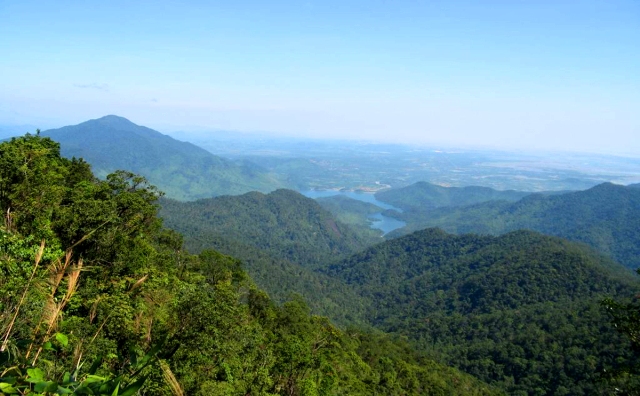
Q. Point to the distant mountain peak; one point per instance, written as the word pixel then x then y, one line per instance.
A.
pixel 113 121
pixel 111 117
pixel 607 185
pixel 180 169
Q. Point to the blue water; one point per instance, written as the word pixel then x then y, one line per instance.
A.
pixel 378 221
pixel 385 223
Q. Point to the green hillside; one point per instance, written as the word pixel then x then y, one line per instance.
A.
pixel 284 223
pixel 97 298
pixel 182 170
pixel 280 237
pixel 352 212
pixel 521 311
pixel 424 196
pixel 606 217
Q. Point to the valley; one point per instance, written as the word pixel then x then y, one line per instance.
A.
pixel 494 297
pixel 335 165
pixel 374 216
pixel 320 198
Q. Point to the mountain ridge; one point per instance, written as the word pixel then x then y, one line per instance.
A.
pixel 605 217
pixel 180 169
pixel 424 195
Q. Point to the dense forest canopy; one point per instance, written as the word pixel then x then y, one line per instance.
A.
pixel 521 311
pixel 606 217
pixel 423 196
pixel 284 222
pixel 96 297
pixel 280 237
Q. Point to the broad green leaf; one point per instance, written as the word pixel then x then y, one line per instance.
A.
pixel 35 375
pixel 62 339
pixel 7 389
pixel 94 378
pixel 63 391
pixel 45 386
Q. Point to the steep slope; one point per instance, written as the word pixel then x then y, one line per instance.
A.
pixel 282 278
pixel 280 237
pixel 284 223
pixel 182 170
pixel 110 296
pixel 520 311
pixel 423 195
pixel 606 217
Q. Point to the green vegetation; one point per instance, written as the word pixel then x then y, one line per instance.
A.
pixel 182 170
pixel 97 298
pixel 284 223
pixel 426 196
pixel 281 278
pixel 625 316
pixel 606 217
pixel 280 237
pixel 352 212
pixel 521 311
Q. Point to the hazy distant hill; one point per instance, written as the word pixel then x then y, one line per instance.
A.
pixel 423 195
pixel 606 217
pixel 520 311
pixel 182 170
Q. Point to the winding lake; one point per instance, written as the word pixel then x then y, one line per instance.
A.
pixel 378 220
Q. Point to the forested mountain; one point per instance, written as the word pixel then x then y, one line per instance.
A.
pixel 424 196
pixel 284 223
pixel 280 237
pixel 181 170
pixel 520 311
pixel 606 217
pixel 97 298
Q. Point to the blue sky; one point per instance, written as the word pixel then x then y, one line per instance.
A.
pixel 513 74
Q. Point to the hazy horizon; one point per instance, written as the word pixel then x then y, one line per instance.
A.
pixel 554 76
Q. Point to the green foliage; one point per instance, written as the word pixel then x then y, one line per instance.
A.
pixel 625 318
pixel 89 275
pixel 25 378
pixel 520 311
pixel 182 170
pixel 284 223
pixel 426 196
pixel 279 237
pixel 606 217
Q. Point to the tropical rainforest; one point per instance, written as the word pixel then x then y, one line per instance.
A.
pixel 96 297
pixel 107 288
pixel 606 217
